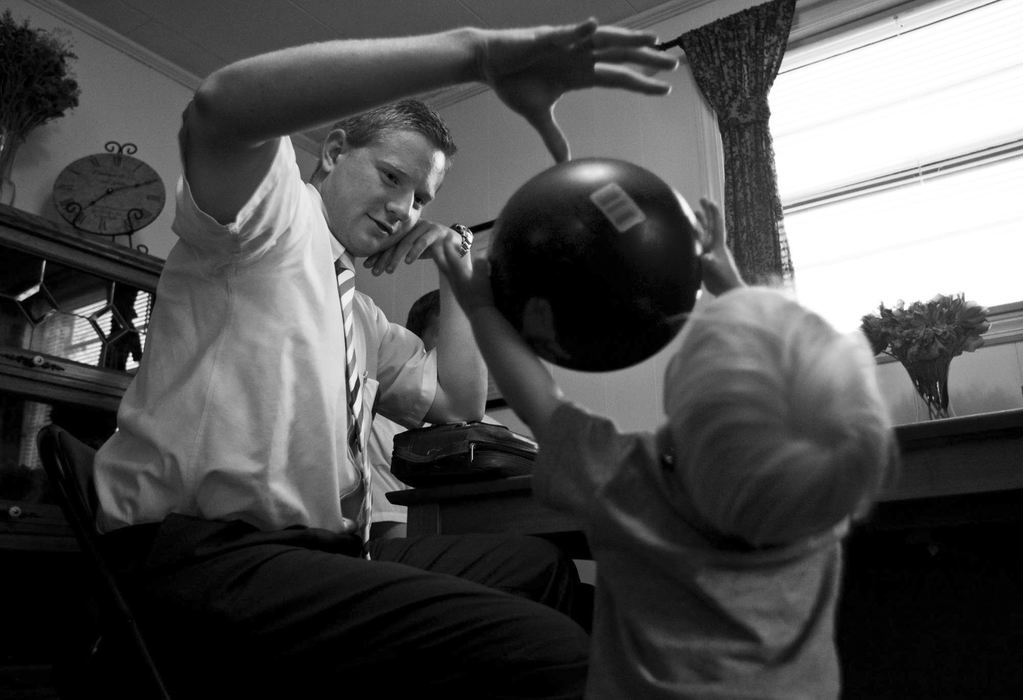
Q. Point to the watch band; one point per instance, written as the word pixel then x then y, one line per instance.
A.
pixel 466 233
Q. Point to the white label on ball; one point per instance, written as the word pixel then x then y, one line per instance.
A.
pixel 619 208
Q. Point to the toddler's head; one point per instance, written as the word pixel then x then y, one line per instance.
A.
pixel 778 428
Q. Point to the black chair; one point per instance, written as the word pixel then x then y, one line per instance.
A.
pixel 118 658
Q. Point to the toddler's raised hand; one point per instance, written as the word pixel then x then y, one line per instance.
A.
pixel 720 272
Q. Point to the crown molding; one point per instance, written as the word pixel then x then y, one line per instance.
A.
pixel 129 48
pixel 446 97
pixel 662 13
pixel 437 99
pixel 309 141
pixel 118 42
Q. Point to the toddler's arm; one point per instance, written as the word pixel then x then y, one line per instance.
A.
pixel 525 382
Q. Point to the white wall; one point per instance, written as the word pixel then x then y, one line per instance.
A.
pixel 122 99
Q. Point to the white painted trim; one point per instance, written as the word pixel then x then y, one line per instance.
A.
pixel 118 42
pixel 439 98
pixel 129 48
pixel 446 97
pixel 815 18
pixel 1006 324
pixel 663 12
pixel 854 23
pixel 308 141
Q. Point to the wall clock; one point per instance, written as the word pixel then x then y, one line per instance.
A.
pixel 110 194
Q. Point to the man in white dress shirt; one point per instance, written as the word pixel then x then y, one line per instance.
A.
pixel 231 495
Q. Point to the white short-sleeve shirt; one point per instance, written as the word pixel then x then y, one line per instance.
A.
pixel 238 408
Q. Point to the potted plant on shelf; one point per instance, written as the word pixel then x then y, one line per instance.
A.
pixel 924 337
pixel 36 85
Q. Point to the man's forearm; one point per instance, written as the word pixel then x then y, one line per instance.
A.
pixel 461 373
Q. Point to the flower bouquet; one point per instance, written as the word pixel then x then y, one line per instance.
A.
pixel 36 85
pixel 924 337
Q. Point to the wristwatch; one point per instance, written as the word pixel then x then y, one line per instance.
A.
pixel 466 233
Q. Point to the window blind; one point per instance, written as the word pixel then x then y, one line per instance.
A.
pixel 943 89
pixel 900 159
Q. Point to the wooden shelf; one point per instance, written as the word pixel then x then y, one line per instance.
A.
pixel 35 235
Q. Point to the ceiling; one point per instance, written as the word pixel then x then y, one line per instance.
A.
pixel 199 36
pixel 189 39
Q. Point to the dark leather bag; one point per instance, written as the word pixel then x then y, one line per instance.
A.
pixel 460 452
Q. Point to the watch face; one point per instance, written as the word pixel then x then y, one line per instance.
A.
pixel 109 193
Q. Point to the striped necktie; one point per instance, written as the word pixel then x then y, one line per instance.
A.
pixel 346 290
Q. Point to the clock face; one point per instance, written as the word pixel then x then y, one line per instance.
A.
pixel 109 194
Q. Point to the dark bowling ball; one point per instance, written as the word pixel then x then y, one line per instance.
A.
pixel 594 261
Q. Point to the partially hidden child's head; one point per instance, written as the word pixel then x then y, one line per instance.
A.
pixel 778 428
pixel 424 316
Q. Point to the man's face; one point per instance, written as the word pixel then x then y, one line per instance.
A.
pixel 374 194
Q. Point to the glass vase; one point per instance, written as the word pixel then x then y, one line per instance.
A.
pixel 930 379
pixel 9 142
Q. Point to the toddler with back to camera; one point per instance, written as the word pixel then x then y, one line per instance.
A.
pixel 717 535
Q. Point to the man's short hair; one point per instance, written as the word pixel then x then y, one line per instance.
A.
pixel 404 115
pixel 776 420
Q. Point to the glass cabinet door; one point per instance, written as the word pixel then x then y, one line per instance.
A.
pixel 68 313
pixel 74 313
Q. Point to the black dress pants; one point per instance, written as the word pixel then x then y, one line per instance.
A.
pixel 235 612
